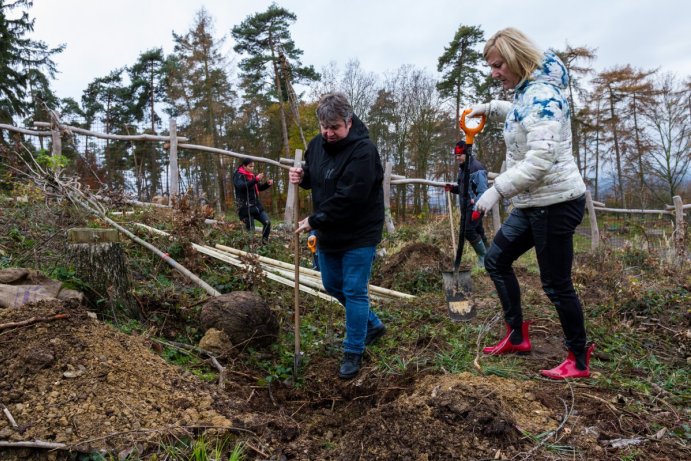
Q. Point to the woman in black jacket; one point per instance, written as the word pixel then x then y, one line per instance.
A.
pixel 247 188
pixel 344 172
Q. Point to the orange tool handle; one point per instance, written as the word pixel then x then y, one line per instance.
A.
pixel 471 132
pixel 312 243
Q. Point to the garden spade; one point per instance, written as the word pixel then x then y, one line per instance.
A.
pixel 457 283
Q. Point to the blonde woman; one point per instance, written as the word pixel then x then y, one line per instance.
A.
pixel 547 191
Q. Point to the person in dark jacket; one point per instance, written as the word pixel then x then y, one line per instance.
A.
pixel 474 232
pixel 247 188
pixel 344 172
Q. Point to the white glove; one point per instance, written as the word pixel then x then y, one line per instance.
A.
pixel 478 110
pixel 488 200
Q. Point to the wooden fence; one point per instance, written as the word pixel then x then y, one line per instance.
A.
pixel 55 128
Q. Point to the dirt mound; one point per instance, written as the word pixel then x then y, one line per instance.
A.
pixel 460 416
pixel 75 380
pixel 410 260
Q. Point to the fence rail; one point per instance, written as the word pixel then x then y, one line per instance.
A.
pixel 55 128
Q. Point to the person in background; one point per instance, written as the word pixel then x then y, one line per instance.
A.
pixel 474 232
pixel 344 172
pixel 247 187
pixel 546 189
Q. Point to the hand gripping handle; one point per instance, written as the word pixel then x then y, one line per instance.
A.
pixel 471 132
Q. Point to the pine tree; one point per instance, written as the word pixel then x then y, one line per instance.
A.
pixel 25 64
pixel 265 40
pixel 106 101
pixel 460 67
pixel 147 81
pixel 200 91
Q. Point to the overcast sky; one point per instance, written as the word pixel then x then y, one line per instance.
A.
pixel 382 34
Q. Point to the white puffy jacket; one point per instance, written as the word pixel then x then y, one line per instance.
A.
pixel 540 168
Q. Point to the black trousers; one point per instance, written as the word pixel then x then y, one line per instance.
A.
pixel 259 215
pixel 474 230
pixel 550 230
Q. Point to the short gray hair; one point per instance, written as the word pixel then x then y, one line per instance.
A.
pixel 334 107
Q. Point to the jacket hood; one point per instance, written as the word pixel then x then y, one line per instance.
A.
pixel 358 131
pixel 552 70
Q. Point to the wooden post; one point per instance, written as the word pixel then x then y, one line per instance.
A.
pixel 173 173
pixel 55 135
pixel 453 230
pixel 496 213
pixel 594 229
pixel 293 190
pixel 679 228
pixel 295 210
pixel 388 219
pixel 496 218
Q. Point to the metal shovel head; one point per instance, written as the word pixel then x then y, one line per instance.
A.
pixel 457 287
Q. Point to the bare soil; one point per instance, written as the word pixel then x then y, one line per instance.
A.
pixel 83 383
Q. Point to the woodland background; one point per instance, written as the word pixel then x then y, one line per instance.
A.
pixel 631 127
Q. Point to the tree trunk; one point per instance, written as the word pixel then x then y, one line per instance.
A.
pixel 617 152
pixel 99 261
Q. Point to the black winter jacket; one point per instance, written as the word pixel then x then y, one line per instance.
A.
pixel 477 185
pixel 346 179
pixel 246 199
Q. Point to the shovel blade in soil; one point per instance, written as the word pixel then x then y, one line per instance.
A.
pixel 457 287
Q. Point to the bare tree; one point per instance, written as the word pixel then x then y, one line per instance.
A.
pixel 572 58
pixel 360 86
pixel 669 121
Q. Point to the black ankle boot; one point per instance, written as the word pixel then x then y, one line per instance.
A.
pixel 350 365
pixel 374 334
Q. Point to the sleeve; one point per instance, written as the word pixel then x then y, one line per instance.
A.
pixel 306 182
pixel 542 122
pixel 264 186
pixel 481 183
pixel 498 109
pixel 352 190
pixel 456 188
pixel 241 182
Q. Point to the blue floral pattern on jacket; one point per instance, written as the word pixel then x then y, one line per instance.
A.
pixel 540 167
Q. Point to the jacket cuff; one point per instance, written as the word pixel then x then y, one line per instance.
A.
pixel 316 220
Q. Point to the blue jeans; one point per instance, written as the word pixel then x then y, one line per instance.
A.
pixel 550 230
pixel 345 275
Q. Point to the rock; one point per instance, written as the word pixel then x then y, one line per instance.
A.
pixel 216 342
pixel 243 316
pixel 41 359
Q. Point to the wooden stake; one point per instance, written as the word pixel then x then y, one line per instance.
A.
pixel 296 259
pixel 453 231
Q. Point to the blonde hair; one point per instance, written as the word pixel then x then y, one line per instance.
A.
pixel 521 55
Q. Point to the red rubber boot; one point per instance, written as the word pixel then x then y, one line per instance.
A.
pixel 506 347
pixel 568 368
